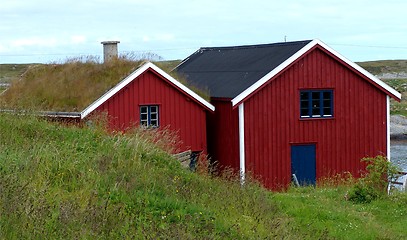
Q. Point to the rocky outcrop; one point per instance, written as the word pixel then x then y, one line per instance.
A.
pixel 398 127
pixel 394 75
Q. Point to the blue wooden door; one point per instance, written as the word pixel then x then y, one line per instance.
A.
pixel 303 165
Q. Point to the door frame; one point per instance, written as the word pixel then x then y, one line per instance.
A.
pixel 313 181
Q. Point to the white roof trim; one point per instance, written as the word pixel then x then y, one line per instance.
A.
pixel 297 55
pixel 134 75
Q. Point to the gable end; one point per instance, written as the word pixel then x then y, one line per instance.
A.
pixel 202 102
pixel 309 47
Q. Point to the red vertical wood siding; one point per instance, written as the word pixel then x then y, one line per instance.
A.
pixel 273 124
pixel 176 110
pixel 223 135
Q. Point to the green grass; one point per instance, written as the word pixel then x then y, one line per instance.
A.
pixel 325 213
pixel 10 72
pixel 72 85
pixel 391 66
pixel 67 182
pixel 401 86
pixel 384 66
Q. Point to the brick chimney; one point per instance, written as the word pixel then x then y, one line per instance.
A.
pixel 109 50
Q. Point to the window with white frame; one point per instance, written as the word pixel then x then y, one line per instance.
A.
pixel 149 116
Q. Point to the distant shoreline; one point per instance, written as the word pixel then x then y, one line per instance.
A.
pixel 398 141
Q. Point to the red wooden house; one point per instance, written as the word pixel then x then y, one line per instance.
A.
pixel 151 97
pixel 291 108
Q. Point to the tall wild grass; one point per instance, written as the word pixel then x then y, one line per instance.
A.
pixel 75 83
pixel 68 182
pixel 61 182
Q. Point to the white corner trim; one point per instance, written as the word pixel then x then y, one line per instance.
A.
pixel 134 75
pixel 388 126
pixel 242 160
pixel 296 56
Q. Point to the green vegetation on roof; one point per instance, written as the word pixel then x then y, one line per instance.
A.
pixel 73 85
pixel 70 86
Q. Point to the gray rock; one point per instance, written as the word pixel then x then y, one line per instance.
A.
pixel 398 127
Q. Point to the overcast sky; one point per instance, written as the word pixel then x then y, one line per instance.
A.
pixel 52 30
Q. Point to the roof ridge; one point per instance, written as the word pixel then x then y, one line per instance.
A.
pixel 253 46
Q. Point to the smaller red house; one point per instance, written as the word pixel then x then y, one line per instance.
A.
pixel 151 97
pixel 147 96
pixel 291 110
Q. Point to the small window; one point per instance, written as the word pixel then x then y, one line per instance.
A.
pixel 149 116
pixel 316 103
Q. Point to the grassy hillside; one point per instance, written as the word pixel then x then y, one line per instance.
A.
pixel 384 66
pixel 81 183
pixel 10 72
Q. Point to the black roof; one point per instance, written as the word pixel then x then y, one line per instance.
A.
pixel 228 71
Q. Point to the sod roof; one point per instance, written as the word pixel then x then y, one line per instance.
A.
pixel 67 87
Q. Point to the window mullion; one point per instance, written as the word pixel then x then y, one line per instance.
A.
pixel 321 103
pixel 149 115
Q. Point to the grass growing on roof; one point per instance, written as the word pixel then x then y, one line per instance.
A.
pixel 73 84
pixel 70 86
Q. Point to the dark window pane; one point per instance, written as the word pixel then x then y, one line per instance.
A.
pixel 144 122
pixel 316 112
pixel 327 112
pixel 304 112
pixel 143 109
pixel 326 95
pixel 304 104
pixel 315 103
pixel 316 95
pixel 304 96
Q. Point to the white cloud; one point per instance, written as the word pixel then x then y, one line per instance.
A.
pixel 33 41
pixel 160 37
pixel 146 38
pixel 78 39
pixel 2 48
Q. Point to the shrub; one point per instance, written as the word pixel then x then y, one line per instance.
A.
pixel 374 183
